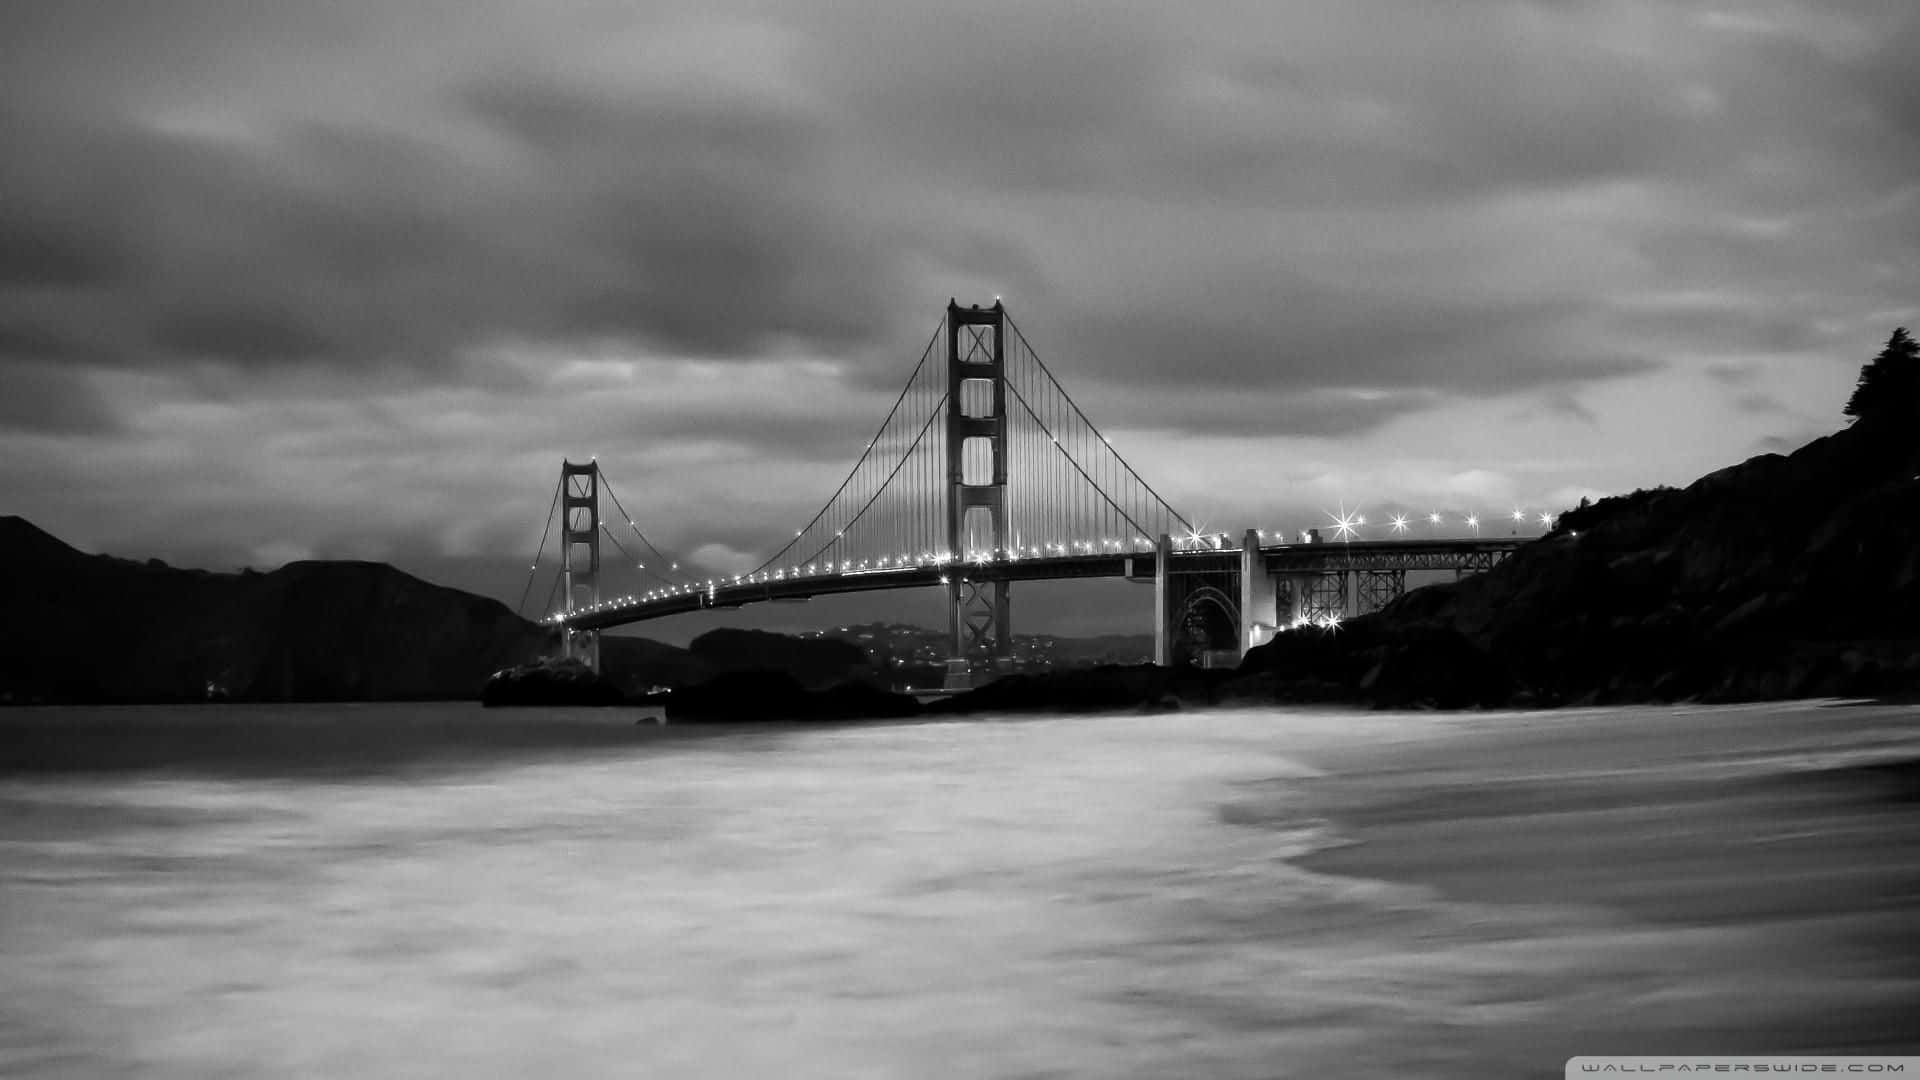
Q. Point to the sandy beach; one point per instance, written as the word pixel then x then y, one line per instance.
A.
pixel 1704 880
pixel 444 890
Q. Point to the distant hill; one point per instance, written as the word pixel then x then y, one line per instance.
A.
pixel 93 628
pixel 1778 577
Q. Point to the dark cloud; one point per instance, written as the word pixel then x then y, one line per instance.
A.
pixel 46 399
pixel 1308 335
pixel 26 341
pixel 36 254
pixel 239 334
pixel 1310 414
pixel 1564 402
pixel 373 248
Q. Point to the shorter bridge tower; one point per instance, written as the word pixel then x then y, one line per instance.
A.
pixel 580 554
pixel 976 486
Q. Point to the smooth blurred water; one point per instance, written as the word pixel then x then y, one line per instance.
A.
pixel 1070 896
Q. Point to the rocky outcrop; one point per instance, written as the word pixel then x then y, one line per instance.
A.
pixel 638 665
pixel 1102 689
pixel 550 682
pixel 771 695
pixel 1784 576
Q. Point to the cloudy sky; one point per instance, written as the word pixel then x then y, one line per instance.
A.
pixel 287 280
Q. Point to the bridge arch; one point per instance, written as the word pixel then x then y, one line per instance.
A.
pixel 1208 620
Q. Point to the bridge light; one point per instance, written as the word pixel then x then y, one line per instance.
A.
pixel 1345 525
pixel 1546 518
pixel 1400 523
pixel 1433 519
pixel 1473 522
pixel 1519 514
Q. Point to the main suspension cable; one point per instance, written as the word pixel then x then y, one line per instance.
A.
pixel 520 609
pixel 855 471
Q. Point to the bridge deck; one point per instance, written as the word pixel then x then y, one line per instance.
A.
pixel 1468 554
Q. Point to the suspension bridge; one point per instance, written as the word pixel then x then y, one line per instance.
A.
pixel 985 473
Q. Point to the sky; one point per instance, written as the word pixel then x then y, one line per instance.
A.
pixel 348 280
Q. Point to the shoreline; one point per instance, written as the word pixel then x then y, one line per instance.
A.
pixel 1756 891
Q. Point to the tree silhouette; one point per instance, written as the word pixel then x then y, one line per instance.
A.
pixel 1890 383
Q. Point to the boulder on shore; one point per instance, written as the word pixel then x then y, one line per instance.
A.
pixel 550 682
pixel 1107 688
pixel 772 695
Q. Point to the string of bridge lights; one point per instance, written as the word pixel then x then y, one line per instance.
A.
pixel 1345 527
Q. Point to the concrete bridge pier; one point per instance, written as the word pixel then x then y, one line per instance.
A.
pixel 1259 595
pixel 1162 637
pixel 1211 604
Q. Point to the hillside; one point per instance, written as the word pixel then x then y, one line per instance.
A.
pixel 85 627
pixel 1782 576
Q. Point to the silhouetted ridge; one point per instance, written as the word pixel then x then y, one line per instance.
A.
pixel 21 539
pixel 1779 576
pixel 95 628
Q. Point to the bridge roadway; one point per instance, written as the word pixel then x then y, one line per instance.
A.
pixel 1462 555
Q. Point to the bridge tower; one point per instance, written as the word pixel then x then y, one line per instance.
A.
pixel 976 484
pixel 580 553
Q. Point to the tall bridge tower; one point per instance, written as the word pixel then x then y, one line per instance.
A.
pixel 580 554
pixel 976 485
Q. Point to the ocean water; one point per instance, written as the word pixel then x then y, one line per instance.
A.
pixel 567 894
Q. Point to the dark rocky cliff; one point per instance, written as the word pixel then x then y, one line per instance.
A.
pixel 1782 576
pixel 82 627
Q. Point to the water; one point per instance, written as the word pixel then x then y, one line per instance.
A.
pixel 567 895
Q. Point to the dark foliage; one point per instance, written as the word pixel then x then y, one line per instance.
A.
pixel 1889 385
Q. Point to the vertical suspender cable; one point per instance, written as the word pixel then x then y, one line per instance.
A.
pixel 541 550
